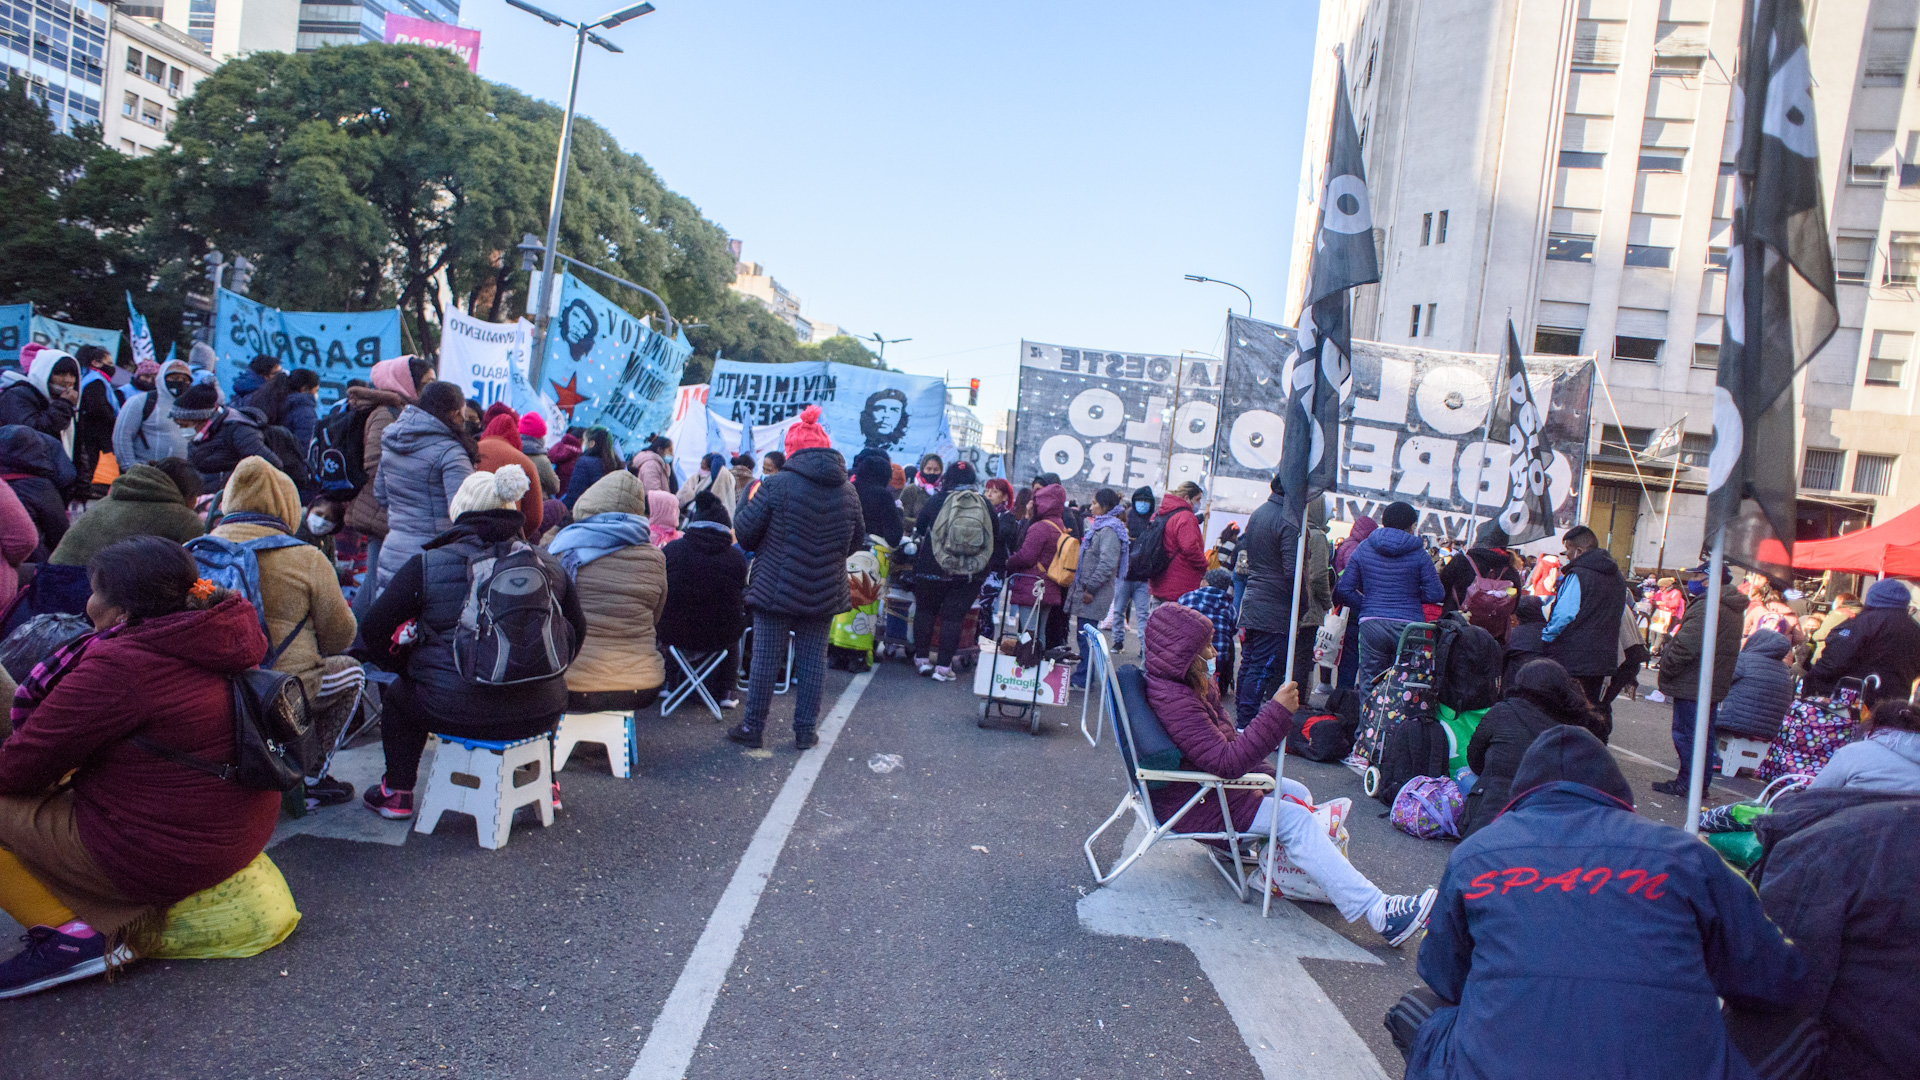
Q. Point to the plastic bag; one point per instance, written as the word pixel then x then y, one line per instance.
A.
pixel 1296 884
pixel 37 637
pixel 245 915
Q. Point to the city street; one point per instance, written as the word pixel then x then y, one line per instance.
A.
pixel 934 920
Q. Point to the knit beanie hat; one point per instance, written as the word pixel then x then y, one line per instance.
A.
pixel 197 402
pixel 1399 516
pixel 146 369
pixel 490 491
pixel 1220 578
pixel 1888 593
pixel 533 426
pixel 806 432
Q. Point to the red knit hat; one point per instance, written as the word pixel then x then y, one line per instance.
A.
pixel 806 433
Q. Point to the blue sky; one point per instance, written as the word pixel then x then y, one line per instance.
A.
pixel 965 174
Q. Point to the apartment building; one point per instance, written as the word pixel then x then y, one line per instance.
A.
pixel 1567 163
pixel 59 47
pixel 153 66
pixel 230 28
pixel 364 21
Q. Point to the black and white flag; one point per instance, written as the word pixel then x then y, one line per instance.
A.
pixel 1780 293
pixel 1321 371
pixel 1527 514
pixel 1666 443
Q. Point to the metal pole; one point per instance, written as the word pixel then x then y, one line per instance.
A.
pixel 1703 704
pixel 1666 516
pixel 548 264
pixel 1293 615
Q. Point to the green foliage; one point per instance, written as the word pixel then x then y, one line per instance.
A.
pixel 844 349
pixel 739 329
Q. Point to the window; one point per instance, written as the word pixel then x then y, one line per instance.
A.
pixel 1365 122
pixel 1373 51
pixel 174 77
pixel 1577 159
pixel 1432 311
pixel 156 70
pixel 1623 442
pixel 1870 157
pixel 127 146
pixel 1566 247
pixel 1872 474
pixel 1888 357
pixel 1679 48
pixel 1695 449
pixel 1662 161
pixel 1637 348
pixel 1688 66
pixel 130 105
pixel 1852 257
pixel 1887 52
pixel 1440 235
pixel 1903 259
pixel 151 113
pixel 1556 341
pixel 1597 44
pixel 1717 258
pixel 1820 469
pixel 134 60
pixel 1705 355
pixel 1426 228
pixel 1413 325
pixel 1649 255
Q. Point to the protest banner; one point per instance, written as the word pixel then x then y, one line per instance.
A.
pixel 1115 420
pixel 339 345
pixel 861 408
pixel 406 30
pixel 16 322
pixel 65 336
pixel 1412 430
pixel 605 367
pixel 489 362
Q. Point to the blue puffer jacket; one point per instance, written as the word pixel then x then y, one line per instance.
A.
pixel 1762 689
pixel 1582 940
pixel 1388 577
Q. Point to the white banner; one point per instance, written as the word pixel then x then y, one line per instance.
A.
pixel 489 362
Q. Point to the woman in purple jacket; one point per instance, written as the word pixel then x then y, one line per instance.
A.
pixel 1179 655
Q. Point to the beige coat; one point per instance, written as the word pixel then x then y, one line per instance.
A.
pixel 622 595
pixel 295 582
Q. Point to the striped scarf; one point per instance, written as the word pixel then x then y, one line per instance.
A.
pixel 47 674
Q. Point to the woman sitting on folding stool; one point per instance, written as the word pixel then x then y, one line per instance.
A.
pixel 706 608
pixel 622 581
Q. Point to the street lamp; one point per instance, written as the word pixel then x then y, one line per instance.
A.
pixel 883 343
pixel 583 33
pixel 1197 277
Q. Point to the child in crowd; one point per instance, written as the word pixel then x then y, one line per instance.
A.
pixel 1215 601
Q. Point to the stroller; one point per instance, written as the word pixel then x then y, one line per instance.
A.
pixel 1017 681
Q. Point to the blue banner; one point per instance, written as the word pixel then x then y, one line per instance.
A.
pixel 905 415
pixel 607 368
pixel 16 321
pixel 340 345
pixel 67 337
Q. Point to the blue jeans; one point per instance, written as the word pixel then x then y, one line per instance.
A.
pixel 1349 654
pixel 1684 716
pixel 1130 596
pixel 1379 641
pixel 1263 660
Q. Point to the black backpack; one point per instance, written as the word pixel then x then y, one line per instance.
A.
pixel 1321 738
pixel 1469 661
pixel 511 629
pixel 1415 746
pixel 337 460
pixel 270 733
pixel 1150 557
pixel 293 457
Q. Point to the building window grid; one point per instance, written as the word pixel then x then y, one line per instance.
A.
pixel 1556 341
pixel 1440 234
pixel 1887 358
pixel 1426 229
pixel 1413 324
pixel 1903 259
pixel 1706 355
pixel 1872 474
pixel 1433 310
pixel 1820 469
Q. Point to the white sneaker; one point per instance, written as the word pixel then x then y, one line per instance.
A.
pixel 730 703
pixel 922 665
pixel 1656 696
pixel 944 674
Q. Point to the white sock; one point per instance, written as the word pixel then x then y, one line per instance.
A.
pixel 1377 914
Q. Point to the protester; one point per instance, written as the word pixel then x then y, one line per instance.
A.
pixel 499 447
pixel 94 416
pixel 1669 603
pixel 1768 610
pixel 1317 599
pixel 1574 938
pixel 220 436
pixel 1349 673
pixel 924 484
pixel 741 466
pixel 1226 550
pixel 1583 621
pixel 1214 599
pixel 1029 587
pixel 1007 534
pixel 1540 696
pixel 598 457
pixel 654 465
pixel 290 399
pixel 1132 599
pixel 562 454
pixel 309 625
pixel 1184 544
pixel 801 527
pixel 940 593
pixel 145 430
pixel 1883 640
pixel 422 465
pixel 871 472
pixel 1845 606
pixel 1387 581
pixel 663 514
pixel 1680 674
pixel 714 475
pixel 621 579
pixel 90 866
pixel 1271 544
pixel 1885 758
pixel 45 397
pixel 430 588
pixel 26 464
pixel 1177 652
pixel 1102 567
pixel 1523 644
pixel 142 501
pixel 1761 692
pixel 1489 557
pixel 706 608
pixel 251 379
pixel 396 384
pixel 18 541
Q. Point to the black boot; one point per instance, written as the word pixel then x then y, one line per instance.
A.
pixel 745 736
pixel 805 738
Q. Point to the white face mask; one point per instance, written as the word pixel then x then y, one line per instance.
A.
pixel 318 524
pixel 1210 666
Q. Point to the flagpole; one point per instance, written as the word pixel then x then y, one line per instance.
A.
pixel 1666 515
pixel 1703 703
pixel 1293 614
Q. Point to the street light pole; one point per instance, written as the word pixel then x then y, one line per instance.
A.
pixel 883 343
pixel 1228 284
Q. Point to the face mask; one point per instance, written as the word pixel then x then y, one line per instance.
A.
pixel 1696 588
pixel 318 524
pixel 1143 508
pixel 1210 666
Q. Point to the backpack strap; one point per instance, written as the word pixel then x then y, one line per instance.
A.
pixel 181 757
pixel 273 655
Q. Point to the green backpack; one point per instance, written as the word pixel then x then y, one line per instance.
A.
pixel 962 536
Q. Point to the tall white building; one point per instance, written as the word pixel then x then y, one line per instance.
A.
pixel 230 28
pixel 1567 162
pixel 151 67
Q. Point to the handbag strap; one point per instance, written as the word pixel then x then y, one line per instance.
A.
pixel 181 757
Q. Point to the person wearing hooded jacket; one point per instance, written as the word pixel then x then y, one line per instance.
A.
pixel 1177 654
pixel 26 464
pixel 1131 599
pixel 94 415
pixel 1680 675
pixel 422 464
pixel 145 430
pixel 622 581
pixel 1576 939
pixel 219 436
pixel 1270 543
pixel 431 587
pixel 142 501
pixel 1349 672
pixel 500 446
pixel 654 465
pixel 937 594
pixel 533 433
pixel 706 607
pixel 45 397
pixel 1029 563
pixel 1882 640
pixel 563 454
pixel 1388 581
pixel 872 471
pixel 1188 566
pixel 1762 689
pixel 1540 696
pixel 1102 567
pixel 801 526
pixel 1583 621
pixel 1489 557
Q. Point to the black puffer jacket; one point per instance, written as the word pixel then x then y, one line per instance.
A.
pixel 1878 641
pixel 432 587
pixel 1589 644
pixel 801 527
pixel 234 436
pixel 1762 689
pixel 1494 754
pixel 706 585
pixel 1270 542
pixel 872 471
pixel 27 463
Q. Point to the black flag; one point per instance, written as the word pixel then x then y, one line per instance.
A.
pixel 1528 511
pixel 1780 294
pixel 1343 256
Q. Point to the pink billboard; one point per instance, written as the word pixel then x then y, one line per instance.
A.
pixel 464 43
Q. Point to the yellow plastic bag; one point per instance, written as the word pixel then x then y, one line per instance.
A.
pixel 245 915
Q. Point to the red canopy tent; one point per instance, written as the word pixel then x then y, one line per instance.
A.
pixel 1889 549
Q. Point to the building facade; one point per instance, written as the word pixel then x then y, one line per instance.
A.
pixel 152 66
pixel 752 279
pixel 365 21
pixel 59 47
pixel 964 426
pixel 1567 163
pixel 230 28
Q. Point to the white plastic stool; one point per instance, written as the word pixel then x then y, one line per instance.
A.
pixel 471 776
pixel 1737 753
pixel 613 730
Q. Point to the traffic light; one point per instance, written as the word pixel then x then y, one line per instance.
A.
pixel 216 263
pixel 242 275
pixel 973 391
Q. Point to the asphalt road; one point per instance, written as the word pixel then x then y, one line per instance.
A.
pixel 922 921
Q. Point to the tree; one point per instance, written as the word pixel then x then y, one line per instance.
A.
pixel 844 349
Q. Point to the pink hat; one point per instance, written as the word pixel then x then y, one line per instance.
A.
pixel 806 433
pixel 146 369
pixel 27 352
pixel 532 426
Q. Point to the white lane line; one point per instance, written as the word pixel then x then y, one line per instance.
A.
pixel 676 1032
pixel 1631 756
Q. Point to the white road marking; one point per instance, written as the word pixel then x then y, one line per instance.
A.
pixel 1287 1021
pixel 676 1032
pixel 1631 756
